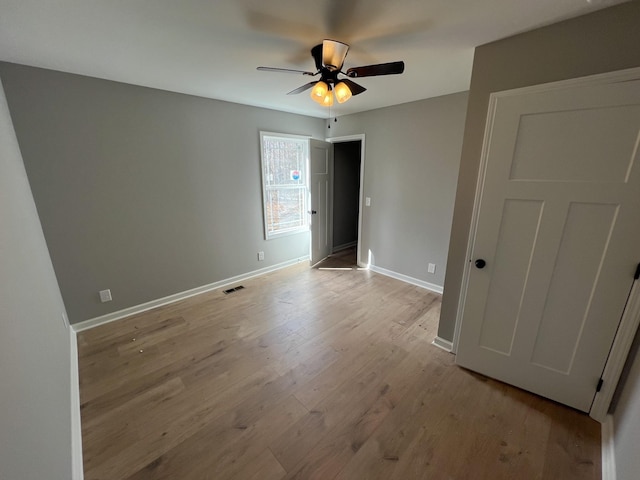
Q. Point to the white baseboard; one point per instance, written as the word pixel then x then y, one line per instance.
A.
pixel 445 345
pixel 110 317
pixel 608 452
pixel 405 278
pixel 77 469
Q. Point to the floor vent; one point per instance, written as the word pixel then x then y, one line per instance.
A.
pixel 231 290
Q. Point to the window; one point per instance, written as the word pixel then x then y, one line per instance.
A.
pixel 284 183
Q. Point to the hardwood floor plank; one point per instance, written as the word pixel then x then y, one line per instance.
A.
pixel 115 421
pixel 161 429
pixel 572 449
pixel 366 385
pixel 421 333
pixel 378 457
pixel 337 374
pixel 263 467
pixel 310 374
pixel 131 386
pixel 342 442
pixel 492 444
pixel 269 410
pixel 226 446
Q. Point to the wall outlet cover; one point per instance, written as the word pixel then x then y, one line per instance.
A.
pixel 105 296
pixel 431 268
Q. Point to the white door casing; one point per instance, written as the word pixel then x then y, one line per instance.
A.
pixel 320 162
pixel 351 138
pixel 558 223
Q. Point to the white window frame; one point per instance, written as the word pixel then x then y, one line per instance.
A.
pixel 304 225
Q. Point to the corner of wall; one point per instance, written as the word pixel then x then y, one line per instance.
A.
pixel 608 451
pixel 77 468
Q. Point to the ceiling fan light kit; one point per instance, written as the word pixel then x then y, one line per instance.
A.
pixel 323 93
pixel 342 92
pixel 329 59
pixel 319 91
pixel 333 54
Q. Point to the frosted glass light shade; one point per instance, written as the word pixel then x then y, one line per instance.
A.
pixel 328 99
pixel 333 54
pixel 319 92
pixel 343 92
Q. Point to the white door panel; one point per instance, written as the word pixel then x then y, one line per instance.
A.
pixel 321 155
pixel 559 227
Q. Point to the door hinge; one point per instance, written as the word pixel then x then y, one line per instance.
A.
pixel 637 275
pixel 600 383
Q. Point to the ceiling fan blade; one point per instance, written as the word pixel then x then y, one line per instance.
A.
pixel 353 86
pixel 333 54
pixel 392 68
pixel 304 87
pixel 286 70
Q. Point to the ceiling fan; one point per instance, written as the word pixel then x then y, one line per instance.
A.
pixel 329 59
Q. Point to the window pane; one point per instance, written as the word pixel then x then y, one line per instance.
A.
pixel 285 161
pixel 285 209
pixel 284 176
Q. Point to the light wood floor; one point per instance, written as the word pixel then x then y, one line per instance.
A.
pixel 307 373
pixel 344 259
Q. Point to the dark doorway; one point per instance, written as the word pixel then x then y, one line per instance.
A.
pixel 346 194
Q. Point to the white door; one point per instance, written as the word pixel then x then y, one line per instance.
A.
pixel 558 226
pixel 320 163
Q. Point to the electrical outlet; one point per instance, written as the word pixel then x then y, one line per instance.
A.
pixel 431 268
pixel 260 256
pixel 367 201
pixel 105 295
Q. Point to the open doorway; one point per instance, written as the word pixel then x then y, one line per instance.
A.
pixel 347 178
pixel 346 194
pixel 346 204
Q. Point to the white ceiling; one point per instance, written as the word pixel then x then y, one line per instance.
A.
pixel 212 48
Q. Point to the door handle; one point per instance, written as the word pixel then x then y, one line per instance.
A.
pixel 313 212
pixel 480 263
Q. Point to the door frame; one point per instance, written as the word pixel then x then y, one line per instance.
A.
pixel 631 316
pixel 343 139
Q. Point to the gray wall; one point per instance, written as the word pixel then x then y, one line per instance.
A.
pixel 603 41
pixel 35 369
pixel 145 192
pixel 346 192
pixel 412 153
